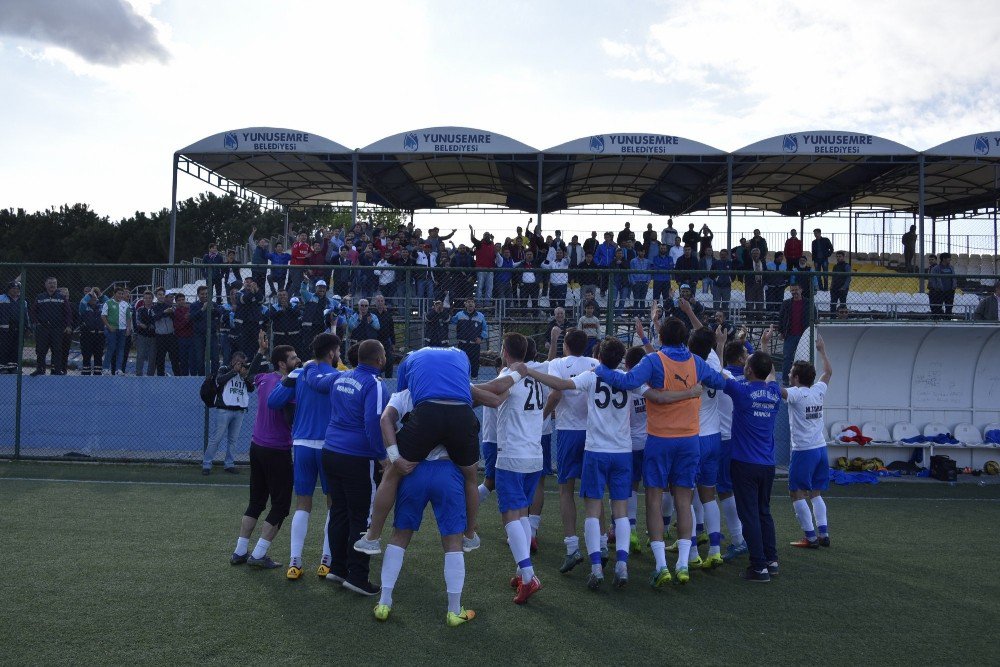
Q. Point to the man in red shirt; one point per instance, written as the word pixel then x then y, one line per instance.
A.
pixel 793 249
pixel 795 317
pixel 486 258
pixel 301 252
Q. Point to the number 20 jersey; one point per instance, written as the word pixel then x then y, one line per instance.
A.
pixel 519 426
pixel 607 417
pixel 571 412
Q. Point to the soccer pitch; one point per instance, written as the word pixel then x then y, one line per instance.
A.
pixel 129 564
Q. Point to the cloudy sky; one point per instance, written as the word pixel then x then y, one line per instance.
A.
pixel 98 94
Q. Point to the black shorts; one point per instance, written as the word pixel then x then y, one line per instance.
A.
pixel 431 424
pixel 270 477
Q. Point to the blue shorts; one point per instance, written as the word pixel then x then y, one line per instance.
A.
pixel 670 461
pixel 547 454
pixel 809 470
pixel 439 483
pixel 605 470
pixel 515 490
pixel 489 460
pixel 637 456
pixel 724 480
pixel 308 464
pixel 708 461
pixel 569 450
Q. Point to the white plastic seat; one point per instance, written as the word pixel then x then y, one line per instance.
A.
pixel 921 303
pixel 835 430
pixel 991 427
pixel 903 431
pixel 937 428
pixel 879 433
pixel 968 435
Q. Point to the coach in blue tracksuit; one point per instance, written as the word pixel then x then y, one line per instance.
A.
pixel 470 331
pixel 351 452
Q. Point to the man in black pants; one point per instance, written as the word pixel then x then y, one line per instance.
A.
pixel 52 317
pixel 352 452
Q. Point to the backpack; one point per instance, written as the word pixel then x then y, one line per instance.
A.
pixel 944 468
pixel 209 391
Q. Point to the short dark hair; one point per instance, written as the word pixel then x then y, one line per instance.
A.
pixel 516 346
pixel 673 332
pixel 352 355
pixel 280 354
pixel 237 354
pixel 760 364
pixel 701 342
pixel 805 372
pixel 611 352
pixel 634 355
pixel 943 256
pixel 532 350
pixel 201 288
pixel 734 353
pixel 575 342
pixel 323 344
pixel 369 352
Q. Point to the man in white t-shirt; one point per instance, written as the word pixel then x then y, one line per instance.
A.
pixel 548 426
pixel 571 433
pixel 607 459
pixel 809 468
pixel 637 432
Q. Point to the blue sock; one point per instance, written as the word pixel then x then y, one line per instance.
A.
pixel 823 530
pixel 714 539
pixel 699 529
pixel 666 522
pixel 622 556
pixel 631 522
pixel 811 535
pixel 595 558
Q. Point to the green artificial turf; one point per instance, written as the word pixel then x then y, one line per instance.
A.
pixel 138 572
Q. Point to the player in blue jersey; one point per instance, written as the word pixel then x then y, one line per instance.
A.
pixel 439 482
pixel 756 399
pixel 735 358
pixel 312 416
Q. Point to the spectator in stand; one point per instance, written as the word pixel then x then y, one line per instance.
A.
pixel 625 235
pixel 759 242
pixel 621 279
pixel 52 317
pixel 436 325
pixel 234 385
pixel 705 263
pixel 184 331
pixel 247 316
pixel 486 258
pixel 840 283
pixel 590 245
pixel 558 321
pixel 365 280
pixel 804 277
pixel 166 340
pixel 590 324
pixel 387 330
pixel 278 278
pixel 683 265
pixel 364 324
pixel 588 276
pixel 574 252
pixel 689 311
pixel 205 314
pixel 529 281
pixel 145 336
pixel 386 277
pixel 663 264
pixel 504 288
pixel 446 282
pixel 942 286
pixel 214 274
pixel 722 281
pixel 425 257
pixel 669 234
pixel 436 242
pixel 794 318
pixel 691 238
pixel 988 308
pixel 755 281
pixel 301 252
pixel 676 250
pixel 464 280
pixel 259 258
pixel 316 260
pixel 286 322
pixel 640 276
pixel 740 257
pixel 822 251
pixel 470 332
pixel 650 241
pixel 909 248
pixel 558 280
pixel 793 248
pixel 67 338
pixel 776 282
pixel 116 315
pixel 10 322
pixel 314 307
pixel 604 256
pixel 706 238
pixel 91 332
pixel 231 273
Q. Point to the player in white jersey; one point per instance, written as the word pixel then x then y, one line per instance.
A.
pixel 637 432
pixel 571 433
pixel 519 460
pixel 809 468
pixel 735 358
pixel 548 425
pixel 607 458
pixel 488 446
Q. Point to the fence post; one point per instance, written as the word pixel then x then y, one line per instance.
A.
pixel 207 366
pixel 407 315
pixel 610 317
pixel 21 323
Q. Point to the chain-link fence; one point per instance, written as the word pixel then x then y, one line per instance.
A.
pixel 106 361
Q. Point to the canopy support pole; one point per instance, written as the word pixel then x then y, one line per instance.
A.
pixel 354 188
pixel 920 214
pixel 538 193
pixel 284 239
pixel 949 232
pixel 173 214
pixel 802 229
pixel 729 202
pixel 934 234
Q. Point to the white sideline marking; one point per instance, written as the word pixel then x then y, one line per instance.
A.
pixel 132 482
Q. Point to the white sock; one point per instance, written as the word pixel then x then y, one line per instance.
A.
pixel 242 543
pixel 801 508
pixel 733 524
pixel 667 505
pixel 519 546
pixel 572 544
pixel 633 508
pixel 483 492
pixel 526 527
pixel 683 551
pixel 592 538
pixel 819 508
pixel 604 540
pixel 622 527
pixel 659 553
pixel 454 579
pixel 713 525
pixel 327 557
pixel 699 511
pixel 300 525
pixel 535 520
pixel 260 550
pixel 392 563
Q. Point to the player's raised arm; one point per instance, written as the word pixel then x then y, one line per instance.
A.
pixel 641 333
pixel 827 366
pixel 499 385
pixel 550 381
pixel 487 398
pixel 664 397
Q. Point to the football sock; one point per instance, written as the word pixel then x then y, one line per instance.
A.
pixel 526 527
pixel 801 508
pixel 622 527
pixel 683 551
pixel 300 524
pixel 633 508
pixel 733 524
pixel 392 563
pixel 713 523
pixel 326 540
pixel 659 554
pixel 667 509
pixel 519 547
pixel 454 579
pixel 819 508
pixel 535 520
pixel 260 550
pixel 242 543
pixel 592 539
pixel 572 544
pixel 483 492
pixel 699 513
pixel 604 540
pixel 693 551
